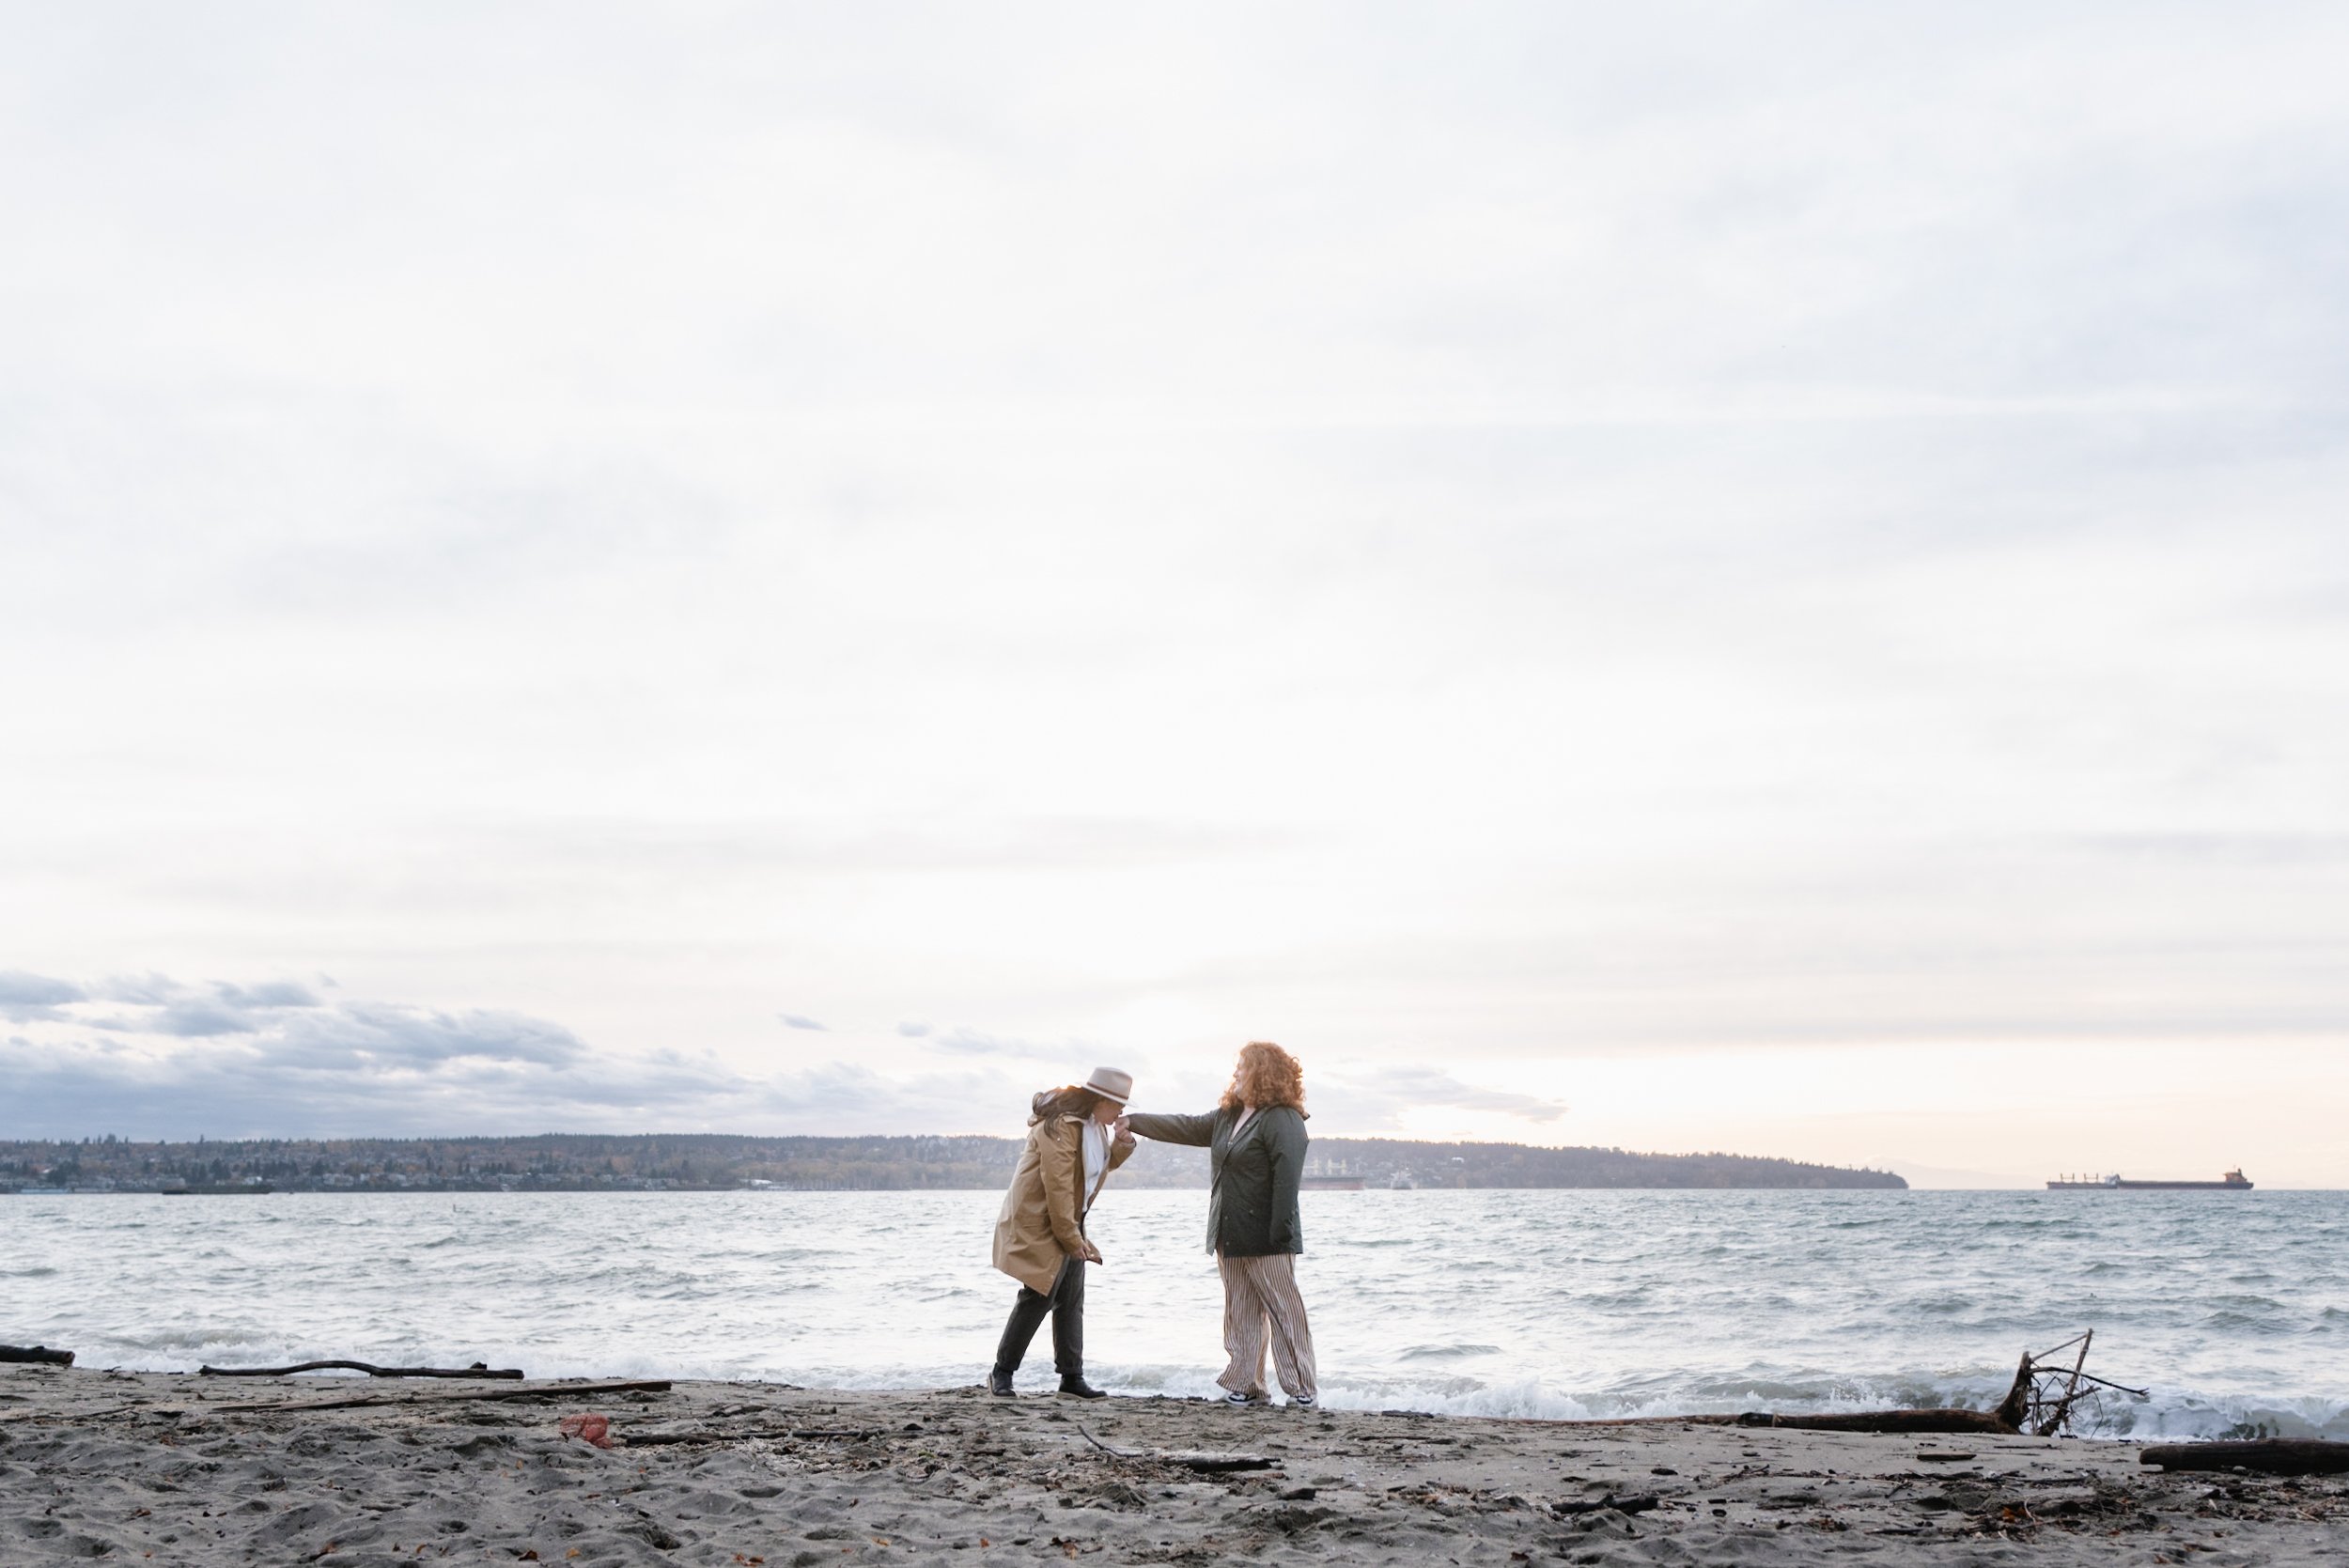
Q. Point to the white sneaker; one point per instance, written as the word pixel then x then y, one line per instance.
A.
pixel 1300 1402
pixel 1236 1398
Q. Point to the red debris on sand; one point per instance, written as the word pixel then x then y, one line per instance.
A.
pixel 589 1429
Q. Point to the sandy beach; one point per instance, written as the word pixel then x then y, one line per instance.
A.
pixel 168 1467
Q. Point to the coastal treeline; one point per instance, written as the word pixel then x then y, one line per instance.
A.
pixel 578 1162
pixel 1528 1165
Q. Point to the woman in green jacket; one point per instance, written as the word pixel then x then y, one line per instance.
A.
pixel 1255 1143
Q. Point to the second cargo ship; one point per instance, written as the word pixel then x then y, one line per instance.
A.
pixel 2234 1183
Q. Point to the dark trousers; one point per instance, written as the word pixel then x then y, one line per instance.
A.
pixel 1066 1305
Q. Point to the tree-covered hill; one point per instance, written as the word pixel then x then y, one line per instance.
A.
pixel 594 1162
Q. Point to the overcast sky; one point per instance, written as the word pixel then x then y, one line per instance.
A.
pixel 1766 577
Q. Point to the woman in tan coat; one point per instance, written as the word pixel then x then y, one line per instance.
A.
pixel 1076 1137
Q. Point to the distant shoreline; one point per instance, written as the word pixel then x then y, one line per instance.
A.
pixel 671 1162
pixel 778 1190
pixel 7 1191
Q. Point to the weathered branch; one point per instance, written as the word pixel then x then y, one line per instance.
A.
pixel 2108 1382
pixel 40 1354
pixel 2273 1456
pixel 477 1370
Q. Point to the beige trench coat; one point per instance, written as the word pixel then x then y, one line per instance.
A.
pixel 1044 1211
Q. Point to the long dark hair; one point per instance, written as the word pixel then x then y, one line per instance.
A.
pixel 1072 1099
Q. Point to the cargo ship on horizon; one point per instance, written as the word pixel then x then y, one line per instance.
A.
pixel 2233 1183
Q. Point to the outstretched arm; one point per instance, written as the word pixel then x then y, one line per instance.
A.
pixel 1175 1129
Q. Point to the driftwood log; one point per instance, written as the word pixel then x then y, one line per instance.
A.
pixel 40 1354
pixel 825 1434
pixel 1620 1505
pixel 2040 1400
pixel 2272 1455
pixel 478 1369
pixel 554 1390
pixel 1189 1459
pixel 1920 1422
pixel 1210 1464
pixel 2006 1419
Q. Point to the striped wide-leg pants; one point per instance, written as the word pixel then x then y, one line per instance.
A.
pixel 1260 1306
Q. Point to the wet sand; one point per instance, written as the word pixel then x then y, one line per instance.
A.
pixel 155 1466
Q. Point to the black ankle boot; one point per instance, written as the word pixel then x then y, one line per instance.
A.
pixel 1075 1387
pixel 999 1383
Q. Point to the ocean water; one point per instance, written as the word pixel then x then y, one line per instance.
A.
pixel 2231 1309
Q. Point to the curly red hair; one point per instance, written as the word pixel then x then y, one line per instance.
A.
pixel 1267 1076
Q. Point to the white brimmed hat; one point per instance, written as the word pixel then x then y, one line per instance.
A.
pixel 1110 1084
